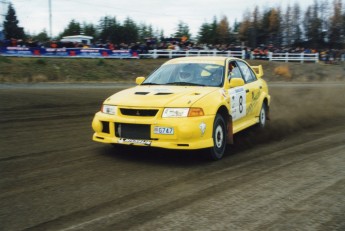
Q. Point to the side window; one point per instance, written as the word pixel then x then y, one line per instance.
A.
pixel 234 71
pixel 248 74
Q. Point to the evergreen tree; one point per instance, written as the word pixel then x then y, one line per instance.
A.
pixel 296 24
pixel 145 32
pixel 205 33
pixel 90 30
pixel 209 32
pixel 130 31
pixel 288 26
pixel 41 37
pixel 109 28
pixel 182 30
pixel 11 28
pixel 73 28
pixel 313 26
pixel 336 32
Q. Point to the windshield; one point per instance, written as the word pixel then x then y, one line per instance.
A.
pixel 187 74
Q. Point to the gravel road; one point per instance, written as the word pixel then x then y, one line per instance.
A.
pixel 54 177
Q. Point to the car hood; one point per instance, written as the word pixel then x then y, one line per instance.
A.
pixel 160 96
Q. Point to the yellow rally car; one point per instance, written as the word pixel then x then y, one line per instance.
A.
pixel 187 103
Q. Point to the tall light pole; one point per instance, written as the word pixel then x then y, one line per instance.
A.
pixel 2 17
pixel 50 19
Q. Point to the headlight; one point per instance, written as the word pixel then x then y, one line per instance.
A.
pixel 109 109
pixel 182 112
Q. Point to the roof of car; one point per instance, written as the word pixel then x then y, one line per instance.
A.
pixel 202 59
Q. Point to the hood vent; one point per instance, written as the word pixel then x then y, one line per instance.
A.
pixel 164 93
pixel 141 93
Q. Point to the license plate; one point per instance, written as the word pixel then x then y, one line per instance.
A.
pixel 163 130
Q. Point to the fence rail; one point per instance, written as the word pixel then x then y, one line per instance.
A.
pixel 287 57
pixel 173 53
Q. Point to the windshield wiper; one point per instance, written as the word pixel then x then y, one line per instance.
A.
pixel 185 84
pixel 151 84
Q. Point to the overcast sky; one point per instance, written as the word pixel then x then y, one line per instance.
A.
pixel 33 15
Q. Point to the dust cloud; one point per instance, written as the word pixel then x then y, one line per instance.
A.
pixel 297 107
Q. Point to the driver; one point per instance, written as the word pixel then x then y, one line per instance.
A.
pixel 186 74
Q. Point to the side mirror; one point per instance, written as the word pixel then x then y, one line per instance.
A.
pixel 139 80
pixel 236 82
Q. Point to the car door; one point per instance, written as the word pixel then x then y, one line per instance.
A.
pixel 252 90
pixel 238 97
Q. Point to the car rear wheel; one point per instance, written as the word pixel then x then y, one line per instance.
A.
pixel 262 116
pixel 219 138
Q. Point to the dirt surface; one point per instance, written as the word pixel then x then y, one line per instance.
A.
pixel 53 177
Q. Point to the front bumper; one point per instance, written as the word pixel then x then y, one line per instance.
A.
pixel 188 133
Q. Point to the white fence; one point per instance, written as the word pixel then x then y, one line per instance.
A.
pixel 173 53
pixel 288 57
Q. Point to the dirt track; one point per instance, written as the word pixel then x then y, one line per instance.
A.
pixel 53 177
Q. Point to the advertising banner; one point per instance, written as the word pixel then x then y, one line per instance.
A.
pixel 68 52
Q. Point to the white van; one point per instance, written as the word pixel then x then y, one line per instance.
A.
pixel 78 39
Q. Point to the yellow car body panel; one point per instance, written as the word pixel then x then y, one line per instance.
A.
pixel 144 115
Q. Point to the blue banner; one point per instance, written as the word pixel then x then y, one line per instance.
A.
pixel 67 52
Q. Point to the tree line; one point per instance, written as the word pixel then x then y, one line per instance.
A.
pixel 320 25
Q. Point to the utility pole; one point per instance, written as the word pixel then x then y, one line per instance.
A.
pixel 50 19
pixel 3 8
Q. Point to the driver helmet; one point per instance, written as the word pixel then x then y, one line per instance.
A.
pixel 186 74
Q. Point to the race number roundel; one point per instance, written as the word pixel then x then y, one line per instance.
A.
pixel 237 102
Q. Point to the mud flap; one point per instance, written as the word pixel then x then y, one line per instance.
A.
pixel 230 136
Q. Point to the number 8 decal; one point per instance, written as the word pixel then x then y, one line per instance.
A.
pixel 240 106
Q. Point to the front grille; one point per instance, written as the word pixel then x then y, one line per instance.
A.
pixel 132 131
pixel 138 112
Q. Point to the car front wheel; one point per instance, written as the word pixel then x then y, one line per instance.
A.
pixel 219 138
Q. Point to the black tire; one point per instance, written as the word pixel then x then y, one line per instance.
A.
pixel 219 136
pixel 262 117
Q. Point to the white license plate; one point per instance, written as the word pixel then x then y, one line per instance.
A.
pixel 163 130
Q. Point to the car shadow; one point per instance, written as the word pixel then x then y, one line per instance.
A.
pixel 244 141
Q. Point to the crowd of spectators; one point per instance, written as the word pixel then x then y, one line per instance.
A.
pixel 260 52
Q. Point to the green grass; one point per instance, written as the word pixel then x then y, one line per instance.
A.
pixel 15 70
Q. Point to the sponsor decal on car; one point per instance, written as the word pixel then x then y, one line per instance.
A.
pixel 134 141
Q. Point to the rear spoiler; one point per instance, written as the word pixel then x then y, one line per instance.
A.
pixel 258 71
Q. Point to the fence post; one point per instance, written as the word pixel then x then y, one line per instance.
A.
pixel 243 54
pixel 286 57
pixel 270 56
pixel 302 57
pixel 155 56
